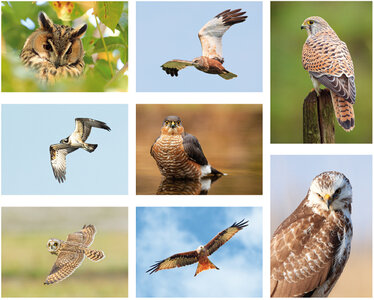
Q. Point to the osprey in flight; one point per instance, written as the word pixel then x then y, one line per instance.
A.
pixel 73 142
pixel 210 36
pixel 200 255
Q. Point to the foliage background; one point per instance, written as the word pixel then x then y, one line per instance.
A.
pixel 290 83
pixel 102 71
pixel 26 261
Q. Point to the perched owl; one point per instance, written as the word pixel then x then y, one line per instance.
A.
pixel 71 253
pixel 54 51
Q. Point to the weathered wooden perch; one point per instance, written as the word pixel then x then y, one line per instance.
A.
pixel 318 118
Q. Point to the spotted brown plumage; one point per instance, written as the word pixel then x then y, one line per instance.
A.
pixel 310 248
pixel 179 154
pixel 71 253
pixel 328 61
pixel 201 254
pixel 210 36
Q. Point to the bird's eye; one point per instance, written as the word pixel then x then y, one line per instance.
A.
pixel 166 122
pixel 338 191
pixel 69 50
pixel 55 244
pixel 310 22
pixel 178 122
pixel 47 47
pixel 319 195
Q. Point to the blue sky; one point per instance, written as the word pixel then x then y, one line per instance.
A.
pixel 162 232
pixel 291 177
pixel 29 130
pixel 168 30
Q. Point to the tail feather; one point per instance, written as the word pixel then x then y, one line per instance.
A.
pixel 94 255
pixel 344 112
pixel 205 266
pixel 228 75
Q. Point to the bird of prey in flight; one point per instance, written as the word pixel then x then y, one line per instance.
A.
pixel 73 142
pixel 210 36
pixel 200 255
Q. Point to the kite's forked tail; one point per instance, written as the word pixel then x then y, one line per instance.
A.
pixel 205 264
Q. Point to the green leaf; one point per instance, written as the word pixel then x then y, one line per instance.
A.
pixel 112 43
pixel 109 13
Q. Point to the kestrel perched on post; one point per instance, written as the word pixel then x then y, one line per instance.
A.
pixel 179 154
pixel 210 36
pixel 310 248
pixel 328 61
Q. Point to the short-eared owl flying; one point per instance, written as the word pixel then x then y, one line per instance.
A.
pixel 328 61
pixel 54 51
pixel 71 253
pixel 311 247
pixel 179 154
pixel 210 36
pixel 73 142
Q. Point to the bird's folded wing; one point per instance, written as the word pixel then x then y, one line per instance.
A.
pixel 211 33
pixel 176 260
pixel 193 149
pixel 301 256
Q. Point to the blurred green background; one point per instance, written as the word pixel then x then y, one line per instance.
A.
pixel 26 261
pixel 106 58
pixel 290 83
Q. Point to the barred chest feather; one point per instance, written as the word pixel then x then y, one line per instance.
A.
pixel 171 158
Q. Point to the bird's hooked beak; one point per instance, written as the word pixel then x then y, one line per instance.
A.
pixel 328 200
pixel 173 124
pixel 303 26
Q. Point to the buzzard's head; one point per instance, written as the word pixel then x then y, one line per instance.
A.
pixel 330 191
pixel 201 250
pixel 65 141
pixel 53 246
pixel 172 125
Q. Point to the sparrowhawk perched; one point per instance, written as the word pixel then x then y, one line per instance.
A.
pixel 179 154
pixel 328 61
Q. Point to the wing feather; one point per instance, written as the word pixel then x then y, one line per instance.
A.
pixel 173 66
pixel 83 127
pixel 58 154
pixel 193 149
pixel 222 237
pixel 175 261
pixel 85 236
pixel 211 33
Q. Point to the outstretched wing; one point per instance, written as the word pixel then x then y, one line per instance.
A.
pixel 85 236
pixel 175 261
pixel 193 149
pixel 224 236
pixel 173 66
pixel 211 33
pixel 66 263
pixel 83 127
pixel 58 154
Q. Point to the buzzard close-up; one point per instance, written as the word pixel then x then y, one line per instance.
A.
pixel 311 247
pixel 73 142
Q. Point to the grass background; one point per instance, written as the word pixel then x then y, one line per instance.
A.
pixel 290 83
pixel 26 261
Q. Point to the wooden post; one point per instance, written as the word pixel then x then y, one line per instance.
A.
pixel 318 118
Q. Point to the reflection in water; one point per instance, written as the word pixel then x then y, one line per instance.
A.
pixel 173 186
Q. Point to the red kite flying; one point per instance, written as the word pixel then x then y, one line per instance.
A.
pixel 201 254
pixel 210 36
